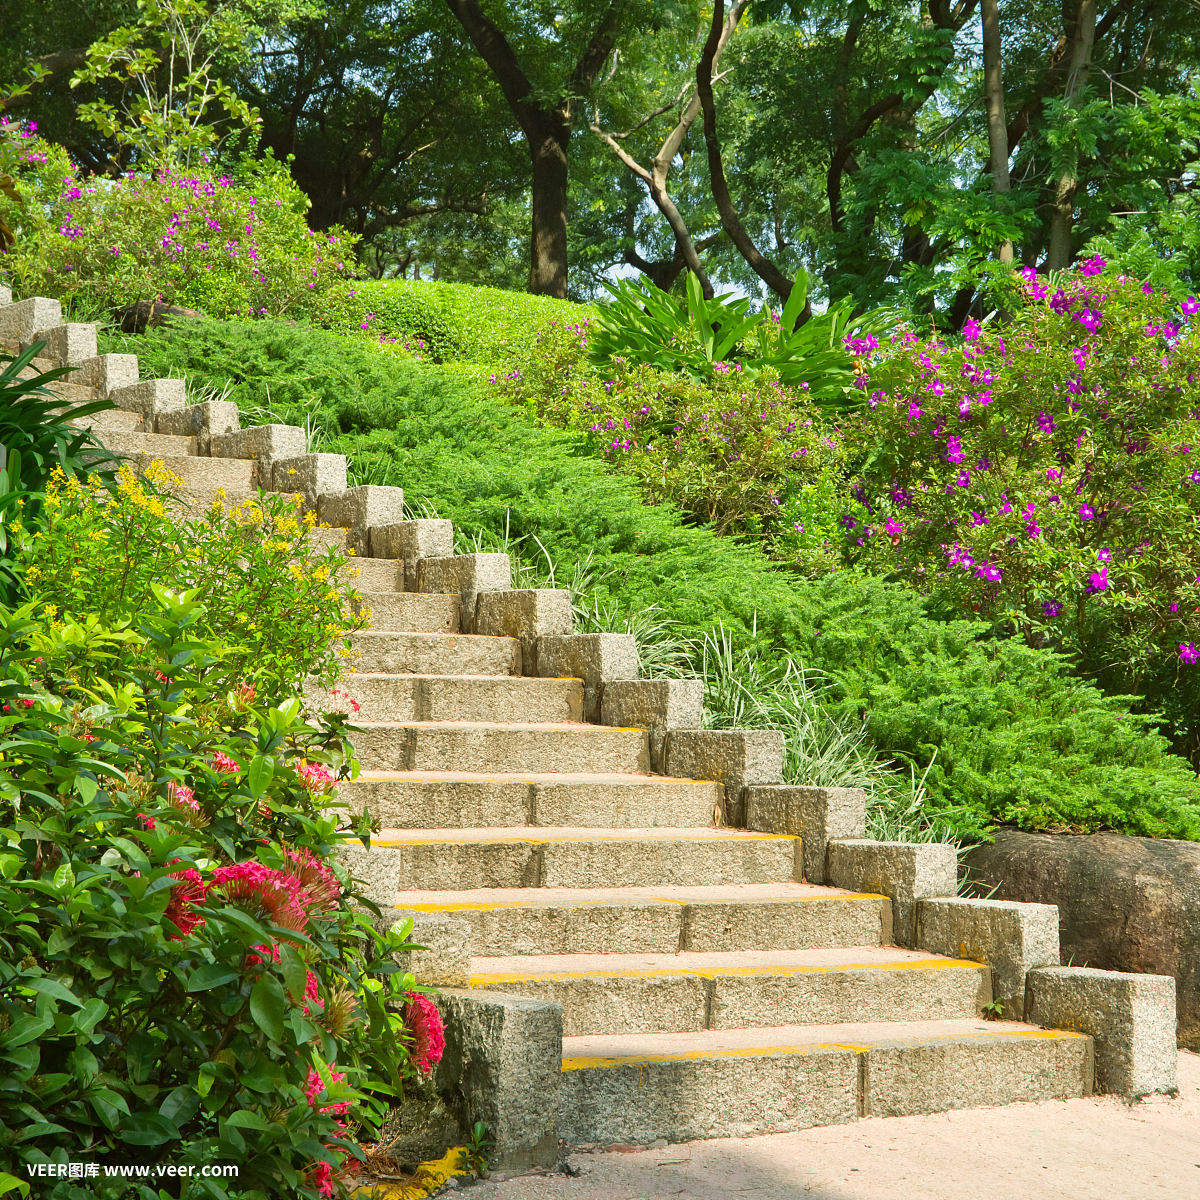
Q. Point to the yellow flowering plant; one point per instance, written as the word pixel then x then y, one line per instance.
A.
pixel 282 605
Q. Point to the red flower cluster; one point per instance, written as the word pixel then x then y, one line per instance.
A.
pixel 429 1035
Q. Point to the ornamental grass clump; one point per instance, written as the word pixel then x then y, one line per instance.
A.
pixel 1044 475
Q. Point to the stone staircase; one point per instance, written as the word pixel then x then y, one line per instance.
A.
pixel 617 966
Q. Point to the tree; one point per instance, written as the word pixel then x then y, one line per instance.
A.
pixel 545 113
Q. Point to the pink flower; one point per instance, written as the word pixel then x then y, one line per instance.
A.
pixel 314 1085
pixel 182 908
pixel 182 797
pixel 429 1038
pixel 316 779
pixel 320 1175
pixel 225 764
pixel 264 892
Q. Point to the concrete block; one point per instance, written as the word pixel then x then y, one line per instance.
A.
pixel 263 444
pixel 200 421
pixel 5 295
pixel 154 399
pixel 1131 1019
pixel 467 575
pixel 446 959
pixel 655 705
pixel 1011 938
pixel 411 541
pixel 18 321
pixel 527 615
pixel 391 652
pixel 814 814
pixel 596 658
pixel 68 345
pixel 735 758
pixel 311 474
pixel 107 372
pixel 503 1066
pixel 904 871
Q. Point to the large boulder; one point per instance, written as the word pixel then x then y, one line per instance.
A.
pixel 1124 903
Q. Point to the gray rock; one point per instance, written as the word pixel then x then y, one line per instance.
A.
pixel 1124 903
pixel 656 705
pixel 526 614
pixel 596 658
pixel 736 758
pixel 813 814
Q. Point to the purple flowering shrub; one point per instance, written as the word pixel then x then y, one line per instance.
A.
pixel 228 246
pixel 1045 475
pixel 750 457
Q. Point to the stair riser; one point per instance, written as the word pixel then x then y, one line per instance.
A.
pixel 503 698
pixel 379 574
pixel 111 419
pixel 413 612
pixel 741 1095
pixel 232 474
pixel 452 804
pixel 663 927
pixel 152 445
pixel 446 866
pixel 645 1003
pixel 422 654
pixel 570 750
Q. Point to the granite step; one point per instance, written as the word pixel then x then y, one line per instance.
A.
pixel 479 698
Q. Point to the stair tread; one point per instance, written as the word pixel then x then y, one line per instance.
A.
pixel 598 1050
pixel 784 892
pixel 572 833
pixel 523 679
pixel 505 726
pixel 605 777
pixel 709 963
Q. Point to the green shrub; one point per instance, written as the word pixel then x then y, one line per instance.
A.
pixel 183 979
pixel 280 609
pixel 998 713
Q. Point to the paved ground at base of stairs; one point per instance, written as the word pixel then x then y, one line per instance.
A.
pixel 1072 1150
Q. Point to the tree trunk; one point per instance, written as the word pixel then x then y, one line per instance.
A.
pixel 993 98
pixel 548 240
pixel 1063 214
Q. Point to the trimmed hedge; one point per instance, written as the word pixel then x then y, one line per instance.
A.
pixel 1016 737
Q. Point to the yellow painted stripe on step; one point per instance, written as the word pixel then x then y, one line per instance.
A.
pixel 428 1178
pixel 583 1062
pixel 924 964
pixel 549 902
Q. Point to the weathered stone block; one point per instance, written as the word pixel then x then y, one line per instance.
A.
pixel 814 814
pixel 68 345
pixel 1131 1019
pixel 465 575
pixel 361 507
pixel 1011 938
pixel 106 373
pixel 596 658
pixel 503 1066
pixel 737 758
pixel 412 541
pixel 18 321
pixel 200 421
pixel 5 295
pixel 153 398
pixel 526 614
pixel 904 871
pixel 1124 903
pixel 263 444
pixel 656 705
pixel 310 474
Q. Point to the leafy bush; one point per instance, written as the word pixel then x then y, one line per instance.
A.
pixel 700 337
pixel 998 713
pixel 744 455
pixel 1046 476
pixel 279 608
pixel 182 978
pixel 224 245
pixel 444 321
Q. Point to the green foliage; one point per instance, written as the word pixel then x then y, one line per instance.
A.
pixel 1016 737
pixel 183 977
pixel 228 245
pixel 279 608
pixel 1045 477
pixel 703 338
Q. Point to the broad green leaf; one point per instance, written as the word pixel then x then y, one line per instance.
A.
pixel 268 1006
pixel 10 1184
pixel 245 1119
pixel 210 975
pixel 295 973
pixel 258 777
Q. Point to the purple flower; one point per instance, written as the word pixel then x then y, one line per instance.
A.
pixel 1089 318
pixel 1104 555
pixel 1033 529
pixel 894 528
pixel 1053 473
pixel 1051 608
pixel 848 522
pixel 1099 580
pixel 1191 306
pixel 989 571
pixel 1086 512
pixel 963 479
pixel 1046 423
pixel 1188 653
pixel 971 330
pixel 1093 266
pixel 954 450
pixel 1080 355
pixel 979 519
